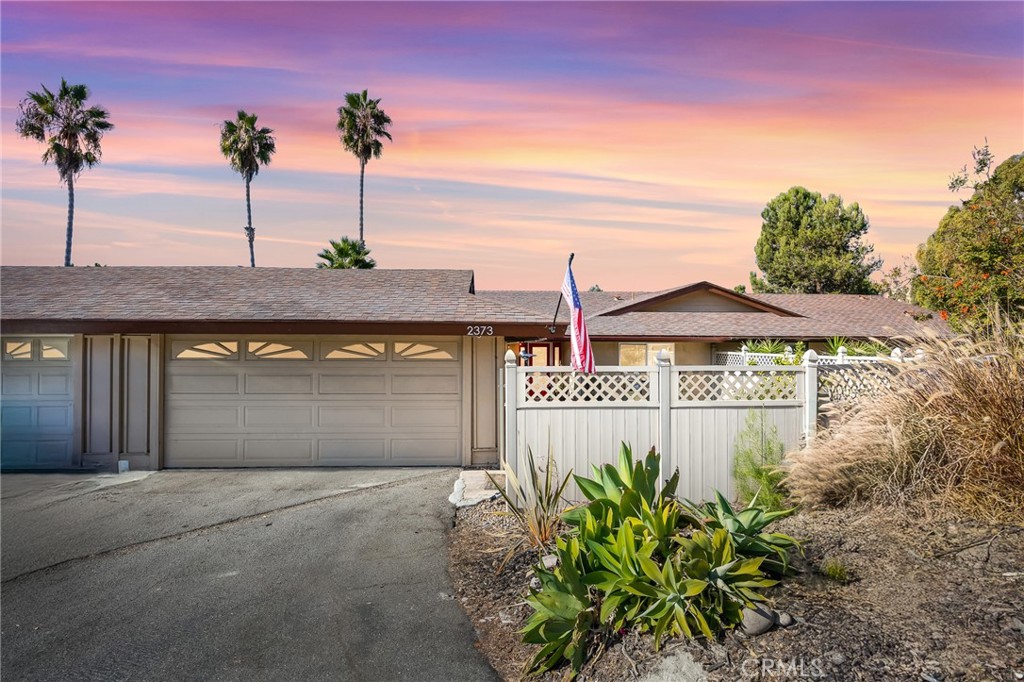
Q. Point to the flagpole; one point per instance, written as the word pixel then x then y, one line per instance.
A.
pixel 558 306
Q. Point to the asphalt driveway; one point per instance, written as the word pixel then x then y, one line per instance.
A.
pixel 231 575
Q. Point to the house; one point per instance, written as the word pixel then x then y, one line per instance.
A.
pixel 695 321
pixel 227 366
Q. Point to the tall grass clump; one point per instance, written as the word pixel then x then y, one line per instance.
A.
pixel 946 430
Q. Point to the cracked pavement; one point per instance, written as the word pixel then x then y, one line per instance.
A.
pixel 232 575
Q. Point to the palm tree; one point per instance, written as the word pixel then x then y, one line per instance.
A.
pixel 247 148
pixel 71 132
pixel 348 254
pixel 362 124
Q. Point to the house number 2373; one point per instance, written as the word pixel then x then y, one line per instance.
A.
pixel 479 330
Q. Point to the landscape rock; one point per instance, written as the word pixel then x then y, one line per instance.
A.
pixel 549 561
pixel 678 666
pixel 757 621
pixel 785 620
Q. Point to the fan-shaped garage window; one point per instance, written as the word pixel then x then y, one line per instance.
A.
pixel 53 349
pixel 205 350
pixel 425 351
pixel 18 349
pixel 354 351
pixel 280 350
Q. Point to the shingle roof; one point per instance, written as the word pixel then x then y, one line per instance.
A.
pixel 864 315
pixel 545 301
pixel 249 294
pixel 271 295
pixel 821 316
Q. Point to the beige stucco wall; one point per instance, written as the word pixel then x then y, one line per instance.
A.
pixel 693 353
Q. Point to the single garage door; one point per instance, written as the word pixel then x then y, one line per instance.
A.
pixel 36 403
pixel 312 401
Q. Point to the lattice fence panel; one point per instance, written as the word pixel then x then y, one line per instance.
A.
pixel 842 383
pixel 605 387
pixel 761 385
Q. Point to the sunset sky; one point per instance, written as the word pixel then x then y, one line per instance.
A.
pixel 646 138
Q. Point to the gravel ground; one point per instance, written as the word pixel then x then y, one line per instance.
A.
pixel 926 599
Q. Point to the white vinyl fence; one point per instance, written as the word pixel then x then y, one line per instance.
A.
pixel 744 357
pixel 691 415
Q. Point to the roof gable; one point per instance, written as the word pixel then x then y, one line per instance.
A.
pixel 703 297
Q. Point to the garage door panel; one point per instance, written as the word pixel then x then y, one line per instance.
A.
pixel 19 453
pixel 425 451
pixel 282 416
pixel 273 451
pixel 354 416
pixel 16 416
pixel 54 385
pixel 434 416
pixel 188 417
pixel 354 384
pixel 55 416
pixel 203 451
pixel 202 384
pixel 425 384
pixel 256 384
pixel 17 384
pixel 55 452
pixel 342 451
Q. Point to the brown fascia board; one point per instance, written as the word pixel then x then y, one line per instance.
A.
pixel 711 288
pixel 24 327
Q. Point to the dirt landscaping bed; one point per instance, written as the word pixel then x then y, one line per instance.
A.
pixel 923 599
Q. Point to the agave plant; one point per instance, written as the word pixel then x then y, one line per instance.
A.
pixel 564 615
pixel 625 490
pixel 673 609
pixel 746 529
pixel 733 580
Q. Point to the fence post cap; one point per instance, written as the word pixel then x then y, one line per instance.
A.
pixel 744 349
pixel 510 358
pixel 662 357
pixel 810 358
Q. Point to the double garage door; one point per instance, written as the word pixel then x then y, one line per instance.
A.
pixel 312 401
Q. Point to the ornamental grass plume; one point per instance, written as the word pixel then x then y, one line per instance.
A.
pixel 947 430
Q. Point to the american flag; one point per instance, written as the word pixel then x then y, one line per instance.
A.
pixel 582 353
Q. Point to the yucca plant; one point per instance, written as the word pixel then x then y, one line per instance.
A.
pixel 536 505
pixel 766 346
pixel 834 343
